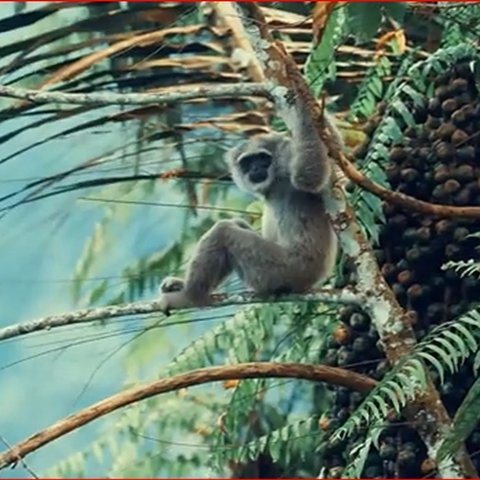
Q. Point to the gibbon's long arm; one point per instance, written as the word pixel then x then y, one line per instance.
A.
pixel 311 167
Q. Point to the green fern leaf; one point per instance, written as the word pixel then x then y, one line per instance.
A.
pixel 464 422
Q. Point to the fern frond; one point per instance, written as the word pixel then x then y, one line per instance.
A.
pixel 445 349
pixel 465 420
pixel 372 89
pixel 239 335
pixel 464 268
pixel 320 64
pixel 298 439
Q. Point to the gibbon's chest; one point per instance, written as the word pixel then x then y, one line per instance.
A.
pixel 287 218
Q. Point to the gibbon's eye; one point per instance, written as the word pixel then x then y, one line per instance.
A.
pixel 255 160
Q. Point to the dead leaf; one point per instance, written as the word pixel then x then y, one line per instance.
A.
pixel 321 14
pixel 228 384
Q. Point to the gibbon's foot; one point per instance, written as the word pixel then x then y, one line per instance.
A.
pixel 171 284
pixel 169 290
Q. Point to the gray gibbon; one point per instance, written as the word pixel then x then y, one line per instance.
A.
pixel 297 247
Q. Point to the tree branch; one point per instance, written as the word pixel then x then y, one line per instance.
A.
pixel 405 201
pixel 166 97
pixel 344 296
pixel 389 318
pixel 317 373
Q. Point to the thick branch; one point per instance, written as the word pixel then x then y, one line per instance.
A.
pixel 164 97
pixel 336 376
pixel 346 296
pixel 405 201
pixel 427 414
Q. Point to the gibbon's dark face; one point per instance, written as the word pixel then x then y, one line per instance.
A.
pixel 255 165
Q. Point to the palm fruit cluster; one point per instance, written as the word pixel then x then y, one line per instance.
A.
pixel 438 162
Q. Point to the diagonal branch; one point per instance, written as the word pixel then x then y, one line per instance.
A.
pixel 390 320
pixel 405 201
pixel 345 296
pixel 317 373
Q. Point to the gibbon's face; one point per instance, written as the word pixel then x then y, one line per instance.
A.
pixel 255 166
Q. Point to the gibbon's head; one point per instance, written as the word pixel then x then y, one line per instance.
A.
pixel 257 164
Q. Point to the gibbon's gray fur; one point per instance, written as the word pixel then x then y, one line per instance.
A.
pixel 297 247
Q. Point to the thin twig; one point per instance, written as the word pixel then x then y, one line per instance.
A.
pixel 344 296
pixel 157 97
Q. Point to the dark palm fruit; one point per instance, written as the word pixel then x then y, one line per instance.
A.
pixel 441 174
pixel 459 117
pixel 465 153
pixel 435 312
pixel 460 233
pixel 442 92
pixel 409 235
pixel 387 451
pixel 330 358
pixel 463 197
pixel 459 85
pixel 398 221
pixel 374 471
pixel 342 334
pixel 433 123
pixel 393 173
pixel 411 132
pixel 462 99
pixel 442 79
pixel 424 154
pixel 445 131
pixel 444 151
pixel 360 321
pixel 406 458
pixel 397 154
pixel 342 397
pixel 415 291
pixel 449 106
pixel 361 345
pixel 414 254
pixel 356 398
pixel 453 252
pixel 475 111
pixel 342 415
pixel 379 256
pixel 463 70
pixel 439 193
pixel 346 312
pixel 406 278
pixel 345 356
pixel 435 107
pixel 428 466
pixel 443 227
pixel 464 173
pixel 420 115
pixel 388 271
pixel 451 186
pixel 409 175
pixel 423 234
pixel 459 136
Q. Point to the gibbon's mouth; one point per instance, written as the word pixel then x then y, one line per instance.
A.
pixel 258 176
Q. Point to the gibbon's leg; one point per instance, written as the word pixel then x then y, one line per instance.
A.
pixel 176 284
pixel 264 265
